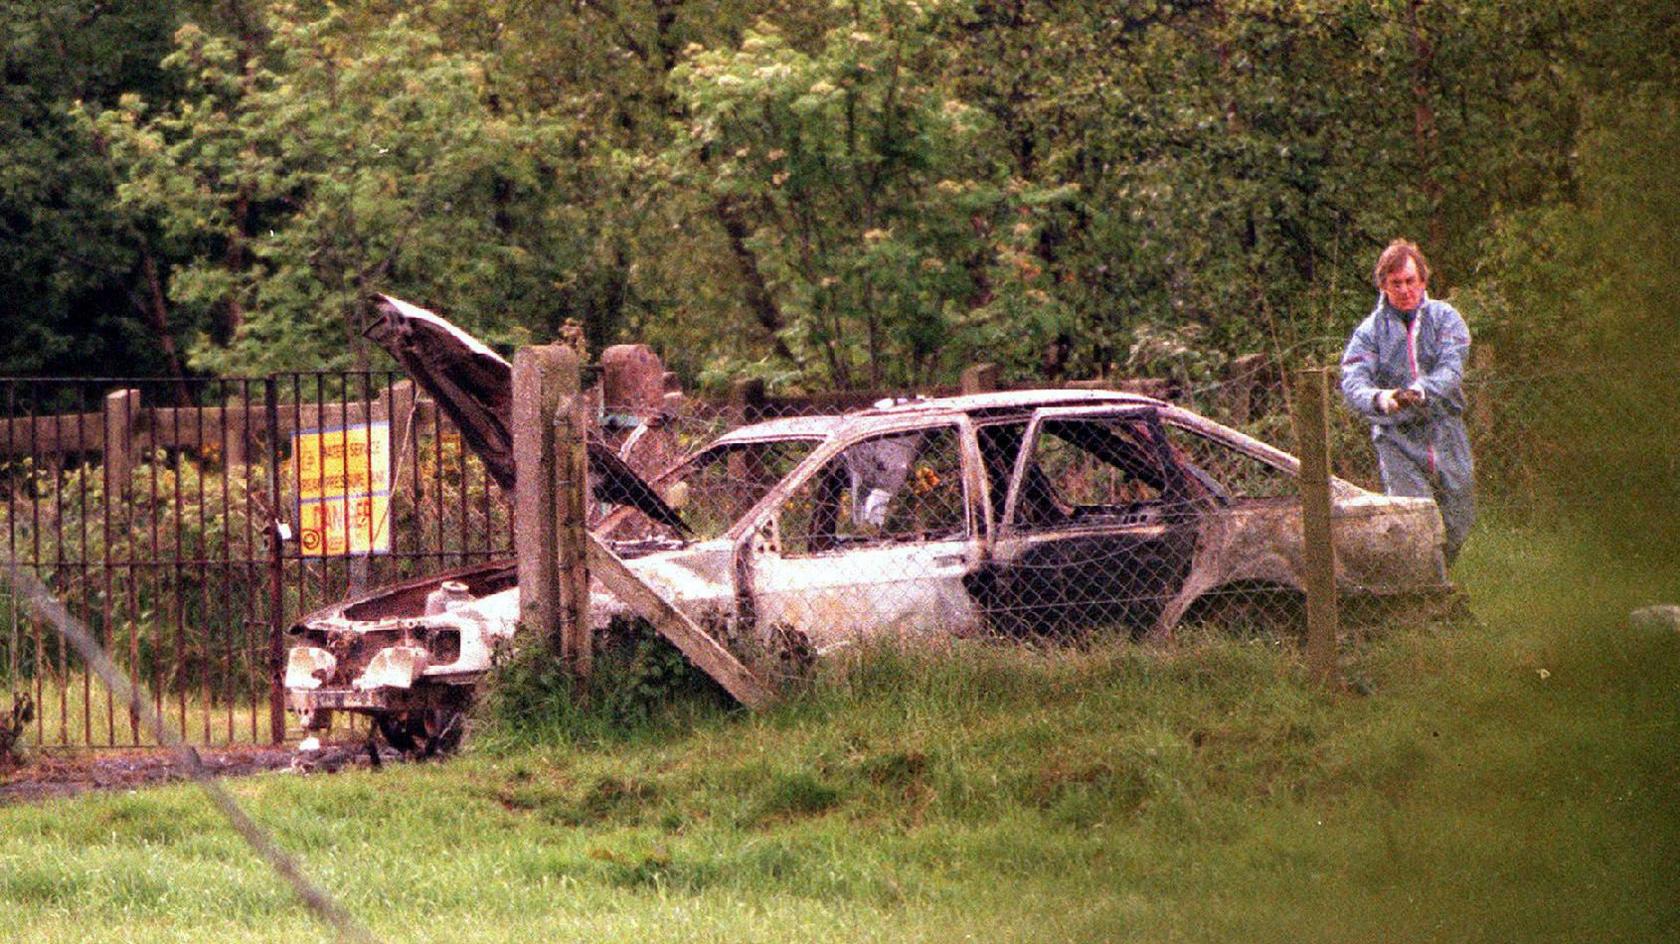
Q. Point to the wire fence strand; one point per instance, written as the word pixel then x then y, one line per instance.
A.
pixel 27 587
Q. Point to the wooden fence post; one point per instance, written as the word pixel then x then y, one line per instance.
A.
pixel 122 410
pixel 746 405
pixel 1482 372
pixel 1242 382
pixel 1312 437
pixel 748 401
pixel 689 638
pixel 980 378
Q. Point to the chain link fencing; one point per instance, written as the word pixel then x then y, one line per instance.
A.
pixel 1041 518
pixel 1050 518
pixel 805 524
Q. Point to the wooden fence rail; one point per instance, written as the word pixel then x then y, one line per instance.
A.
pixel 125 427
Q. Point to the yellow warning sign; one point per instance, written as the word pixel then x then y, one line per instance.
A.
pixel 349 460
pixel 334 527
pixel 344 489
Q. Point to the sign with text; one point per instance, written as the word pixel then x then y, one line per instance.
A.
pixel 344 489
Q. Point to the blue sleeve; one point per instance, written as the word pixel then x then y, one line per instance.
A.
pixel 1452 340
pixel 1359 364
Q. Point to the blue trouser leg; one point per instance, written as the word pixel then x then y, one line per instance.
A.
pixel 1405 472
pixel 1458 512
pixel 1455 491
pixel 1402 473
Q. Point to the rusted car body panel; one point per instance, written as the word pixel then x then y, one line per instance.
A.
pixel 1027 511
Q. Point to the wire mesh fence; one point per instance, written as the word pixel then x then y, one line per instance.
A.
pixel 1548 444
pixel 1063 515
pixel 1038 515
pixel 792 526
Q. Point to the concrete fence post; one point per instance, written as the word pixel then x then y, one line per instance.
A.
pixel 980 378
pixel 1312 438
pixel 632 380
pixel 571 561
pixel 639 397
pixel 541 377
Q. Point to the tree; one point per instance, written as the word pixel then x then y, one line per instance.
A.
pixel 357 162
pixel 884 236
pixel 861 192
pixel 73 293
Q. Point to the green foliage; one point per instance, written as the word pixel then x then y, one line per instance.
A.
pixel 69 273
pixel 344 162
pixel 888 240
pixel 862 193
pixel 640 684
pixel 1564 294
pixel 170 623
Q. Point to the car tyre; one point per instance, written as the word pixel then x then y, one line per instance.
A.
pixel 422 733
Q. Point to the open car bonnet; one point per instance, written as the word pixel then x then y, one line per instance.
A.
pixel 474 385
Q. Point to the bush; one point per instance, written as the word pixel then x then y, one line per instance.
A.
pixel 641 685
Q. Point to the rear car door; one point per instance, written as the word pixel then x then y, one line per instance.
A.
pixel 1098 528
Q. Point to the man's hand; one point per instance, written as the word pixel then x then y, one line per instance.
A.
pixel 1389 402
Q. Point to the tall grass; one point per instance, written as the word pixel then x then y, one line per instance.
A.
pixel 1508 781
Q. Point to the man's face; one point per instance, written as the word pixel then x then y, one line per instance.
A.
pixel 1404 288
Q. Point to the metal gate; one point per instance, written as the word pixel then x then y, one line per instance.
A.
pixel 189 523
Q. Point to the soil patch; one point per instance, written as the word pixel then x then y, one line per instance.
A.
pixel 47 775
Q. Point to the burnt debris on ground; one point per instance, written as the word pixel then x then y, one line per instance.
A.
pixel 46 776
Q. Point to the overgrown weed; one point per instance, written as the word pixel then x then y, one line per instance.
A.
pixel 640 687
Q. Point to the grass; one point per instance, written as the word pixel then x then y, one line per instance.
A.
pixel 1513 781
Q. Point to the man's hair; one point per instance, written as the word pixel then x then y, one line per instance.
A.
pixel 1394 259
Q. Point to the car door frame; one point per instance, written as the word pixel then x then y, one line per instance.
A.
pixel 757 539
pixel 1013 545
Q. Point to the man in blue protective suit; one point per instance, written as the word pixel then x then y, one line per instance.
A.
pixel 1402 372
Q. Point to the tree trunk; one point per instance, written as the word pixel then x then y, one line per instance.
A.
pixel 156 310
pixel 763 307
pixel 234 260
pixel 1423 125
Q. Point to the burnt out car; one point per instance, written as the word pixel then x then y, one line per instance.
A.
pixel 1043 512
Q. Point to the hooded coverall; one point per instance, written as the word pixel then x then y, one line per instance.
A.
pixel 1424 451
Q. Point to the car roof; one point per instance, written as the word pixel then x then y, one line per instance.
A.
pixel 1005 404
pixel 814 426
pixel 1008 401
pixel 979 405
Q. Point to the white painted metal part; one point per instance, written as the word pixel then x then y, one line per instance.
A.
pixel 307 666
pixel 393 667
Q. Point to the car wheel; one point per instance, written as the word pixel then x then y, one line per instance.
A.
pixel 1253 611
pixel 422 733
